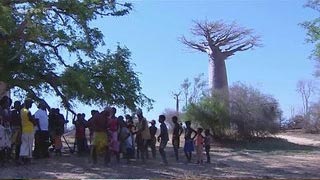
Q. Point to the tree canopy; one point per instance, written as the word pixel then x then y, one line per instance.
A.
pixel 49 46
pixel 313 30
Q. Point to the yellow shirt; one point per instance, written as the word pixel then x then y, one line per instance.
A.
pixel 27 126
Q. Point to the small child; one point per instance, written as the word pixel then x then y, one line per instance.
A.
pixel 126 143
pixel 5 142
pixel 207 143
pixel 199 145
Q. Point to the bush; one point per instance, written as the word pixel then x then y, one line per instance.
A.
pixel 252 112
pixel 209 113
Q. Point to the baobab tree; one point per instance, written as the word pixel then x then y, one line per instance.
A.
pixel 220 41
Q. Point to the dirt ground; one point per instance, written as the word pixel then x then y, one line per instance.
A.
pixel 297 157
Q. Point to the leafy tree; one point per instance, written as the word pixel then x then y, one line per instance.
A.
pixel 50 47
pixel 220 41
pixel 313 29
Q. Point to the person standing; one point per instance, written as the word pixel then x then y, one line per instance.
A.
pixel 143 135
pixel 152 142
pixel 177 131
pixel 15 124
pixel 42 133
pixel 163 138
pixel 80 138
pixel 188 144
pixel 5 130
pixel 199 145
pixel 56 124
pixel 27 137
pixel 99 126
pixel 113 128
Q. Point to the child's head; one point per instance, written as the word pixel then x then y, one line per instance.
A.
pixel 174 119
pixel 188 123
pixel 162 118
pixel 199 130
pixel 153 122
pixel 207 132
pixel 120 118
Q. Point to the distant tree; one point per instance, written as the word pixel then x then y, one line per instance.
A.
pixel 50 47
pixel 220 41
pixel 306 88
pixel 193 91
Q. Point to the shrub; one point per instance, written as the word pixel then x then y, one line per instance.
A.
pixel 209 113
pixel 252 112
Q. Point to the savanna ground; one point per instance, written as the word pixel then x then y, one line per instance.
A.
pixel 288 155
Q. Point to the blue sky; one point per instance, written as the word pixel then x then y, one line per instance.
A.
pixel 152 29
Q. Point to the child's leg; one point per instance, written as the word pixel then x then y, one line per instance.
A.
pixel 107 155
pixel 207 148
pixel 94 154
pixel 176 151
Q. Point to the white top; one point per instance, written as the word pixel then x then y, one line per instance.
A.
pixel 43 119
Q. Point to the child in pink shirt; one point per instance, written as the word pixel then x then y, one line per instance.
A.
pixel 199 145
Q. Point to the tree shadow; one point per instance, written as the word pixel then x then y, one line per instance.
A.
pixel 266 144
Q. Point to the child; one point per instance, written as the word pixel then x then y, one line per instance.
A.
pixel 81 139
pixel 5 142
pixel 188 144
pixel 207 143
pixel 199 145
pixel 98 124
pixel 163 138
pixel 177 131
pixel 152 142
pixel 126 142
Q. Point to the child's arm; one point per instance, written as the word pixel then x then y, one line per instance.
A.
pixel 195 133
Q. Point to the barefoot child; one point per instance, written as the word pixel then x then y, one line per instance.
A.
pixel 163 138
pixel 177 131
pixel 188 144
pixel 199 145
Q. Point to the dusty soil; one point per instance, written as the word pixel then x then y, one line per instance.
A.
pixel 297 158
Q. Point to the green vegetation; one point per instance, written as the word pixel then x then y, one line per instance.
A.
pixel 49 47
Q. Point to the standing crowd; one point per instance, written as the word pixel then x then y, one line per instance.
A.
pixel 24 136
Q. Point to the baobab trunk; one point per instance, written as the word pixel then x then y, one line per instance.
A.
pixel 218 79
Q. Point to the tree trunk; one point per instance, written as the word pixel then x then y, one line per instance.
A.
pixel 218 80
pixel 218 76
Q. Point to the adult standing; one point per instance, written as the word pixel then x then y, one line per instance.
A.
pixel 27 137
pixel 42 133
pixel 99 126
pixel 143 133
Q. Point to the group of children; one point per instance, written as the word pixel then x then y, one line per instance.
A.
pixel 24 136
pixel 111 136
